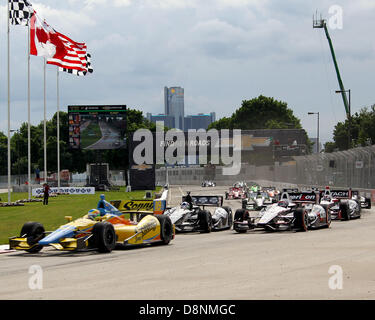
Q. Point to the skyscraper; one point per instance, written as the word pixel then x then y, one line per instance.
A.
pixel 174 105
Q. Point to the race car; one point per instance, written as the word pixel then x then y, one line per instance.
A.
pixel 273 193
pixel 363 201
pixel 238 191
pixel 257 200
pixel 100 229
pixel 208 183
pixel 195 218
pixel 342 204
pixel 254 187
pixel 294 211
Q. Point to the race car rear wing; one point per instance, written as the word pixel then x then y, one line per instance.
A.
pixel 343 194
pixel 291 190
pixel 304 197
pixel 206 201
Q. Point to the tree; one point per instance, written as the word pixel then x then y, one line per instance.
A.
pixel 362 130
pixel 260 113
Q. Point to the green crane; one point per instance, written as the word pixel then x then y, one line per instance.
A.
pixel 321 23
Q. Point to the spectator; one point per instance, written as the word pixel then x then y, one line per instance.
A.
pixel 46 190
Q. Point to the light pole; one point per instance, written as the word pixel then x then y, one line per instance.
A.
pixel 317 139
pixel 349 118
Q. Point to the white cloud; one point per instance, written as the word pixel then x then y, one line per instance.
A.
pixel 221 51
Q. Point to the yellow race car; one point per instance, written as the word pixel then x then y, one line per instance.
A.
pixel 102 229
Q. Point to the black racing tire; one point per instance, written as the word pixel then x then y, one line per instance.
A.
pixel 166 228
pixel 103 237
pixel 34 232
pixel 344 208
pixel 239 230
pixel 230 216
pixel 368 201
pixel 205 221
pixel 239 214
pixel 300 219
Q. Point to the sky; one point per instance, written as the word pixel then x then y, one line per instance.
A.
pixel 220 51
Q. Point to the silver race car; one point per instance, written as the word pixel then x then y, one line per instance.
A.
pixel 342 204
pixel 257 200
pixel 208 183
pixel 295 211
pixel 193 217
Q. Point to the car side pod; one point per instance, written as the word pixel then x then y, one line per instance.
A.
pixel 146 230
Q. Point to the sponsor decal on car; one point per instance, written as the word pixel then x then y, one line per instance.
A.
pixel 137 205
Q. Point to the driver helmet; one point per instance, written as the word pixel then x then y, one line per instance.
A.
pixel 185 205
pixel 93 213
pixel 283 203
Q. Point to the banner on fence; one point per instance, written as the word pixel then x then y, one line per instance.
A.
pixel 69 190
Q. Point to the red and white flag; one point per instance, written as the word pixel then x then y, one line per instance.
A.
pixel 57 48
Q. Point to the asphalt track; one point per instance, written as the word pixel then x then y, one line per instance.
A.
pixel 220 266
pixel 109 138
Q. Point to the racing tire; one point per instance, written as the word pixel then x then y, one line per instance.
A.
pixel 33 231
pixel 239 215
pixel 368 202
pixel 205 221
pixel 344 208
pixel 301 219
pixel 103 237
pixel 230 216
pixel 166 228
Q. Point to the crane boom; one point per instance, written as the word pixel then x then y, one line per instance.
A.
pixel 323 24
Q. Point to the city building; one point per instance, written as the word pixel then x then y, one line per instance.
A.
pixel 174 105
pixel 168 120
pixel 199 121
pixel 174 112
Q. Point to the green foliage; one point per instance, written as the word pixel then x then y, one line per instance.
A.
pixel 362 131
pixel 260 113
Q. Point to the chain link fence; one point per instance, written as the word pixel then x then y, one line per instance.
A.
pixel 353 168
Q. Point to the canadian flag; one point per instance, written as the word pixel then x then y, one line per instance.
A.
pixel 57 48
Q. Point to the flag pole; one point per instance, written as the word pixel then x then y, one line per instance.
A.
pixel 58 130
pixel 9 163
pixel 28 116
pixel 45 126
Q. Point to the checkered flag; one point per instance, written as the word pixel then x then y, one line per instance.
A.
pixel 20 12
pixel 80 73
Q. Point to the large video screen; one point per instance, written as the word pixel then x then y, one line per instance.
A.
pixel 97 127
